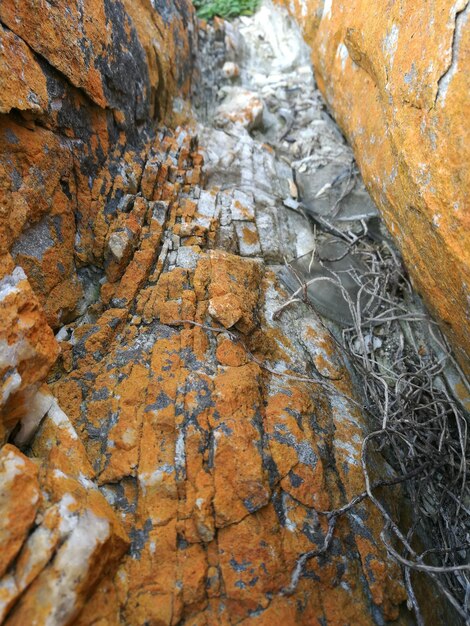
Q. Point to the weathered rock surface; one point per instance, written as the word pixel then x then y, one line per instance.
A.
pixel 209 444
pixel 28 350
pixel 178 464
pixel 74 536
pixel 397 79
pixel 83 86
pixel 210 451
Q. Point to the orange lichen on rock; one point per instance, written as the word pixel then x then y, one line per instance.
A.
pixel 19 501
pixel 74 536
pixel 181 427
pixel 177 465
pixel 22 82
pixel 88 541
pixel 28 350
pixel 216 465
pixel 77 83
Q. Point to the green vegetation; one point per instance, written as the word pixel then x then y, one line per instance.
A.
pixel 207 9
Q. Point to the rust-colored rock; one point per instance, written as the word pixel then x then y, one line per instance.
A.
pixel 22 82
pixel 101 50
pixel 77 538
pixel 214 463
pixel 19 501
pixel 83 85
pixel 182 423
pixel 225 309
pixel 397 79
pixel 27 351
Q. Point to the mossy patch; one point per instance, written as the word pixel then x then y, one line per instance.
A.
pixel 208 9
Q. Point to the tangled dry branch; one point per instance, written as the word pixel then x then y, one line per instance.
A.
pixel 421 430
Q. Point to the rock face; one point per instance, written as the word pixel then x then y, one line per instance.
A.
pixel 177 466
pixel 204 433
pixel 83 87
pixel 178 475
pixel 397 79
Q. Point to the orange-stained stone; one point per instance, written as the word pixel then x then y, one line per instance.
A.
pixel 22 82
pixel 92 543
pixel 216 466
pixel 19 501
pixel 225 309
pixel 28 350
pixel 178 471
pixel 72 519
pixel 231 353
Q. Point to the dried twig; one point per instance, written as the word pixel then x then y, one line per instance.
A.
pixel 421 426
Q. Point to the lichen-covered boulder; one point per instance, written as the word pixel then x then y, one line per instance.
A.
pixel 83 85
pixel 397 79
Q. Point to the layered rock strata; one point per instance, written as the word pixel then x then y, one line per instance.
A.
pixel 82 87
pixel 196 429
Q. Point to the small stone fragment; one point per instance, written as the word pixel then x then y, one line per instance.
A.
pixel 241 107
pixel 230 70
pixel 225 309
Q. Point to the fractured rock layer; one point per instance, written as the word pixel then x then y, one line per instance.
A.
pixel 82 88
pixel 208 443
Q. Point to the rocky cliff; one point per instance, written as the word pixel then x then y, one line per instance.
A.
pixel 396 76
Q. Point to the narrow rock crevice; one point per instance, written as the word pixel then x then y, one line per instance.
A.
pixel 443 83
